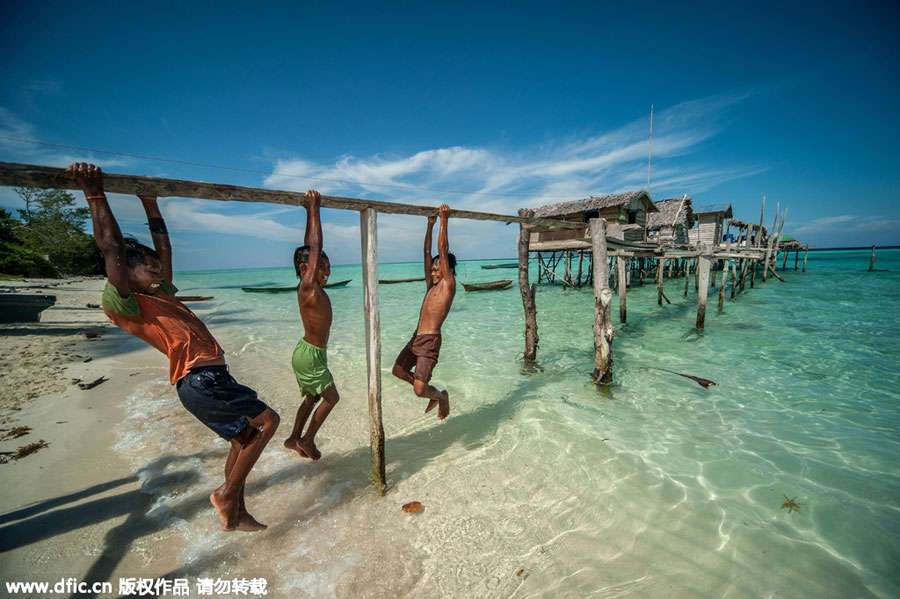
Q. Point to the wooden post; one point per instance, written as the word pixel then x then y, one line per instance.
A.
pixel 369 245
pixel 724 276
pixel 603 329
pixel 621 269
pixel 659 278
pixel 527 292
pixel 805 254
pixel 580 259
pixel 696 275
pixel 871 260
pixel 687 275
pixel 796 258
pixel 703 267
pixel 733 277
pixel 784 262
pixel 768 256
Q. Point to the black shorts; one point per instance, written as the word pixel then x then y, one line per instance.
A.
pixel 421 353
pixel 212 395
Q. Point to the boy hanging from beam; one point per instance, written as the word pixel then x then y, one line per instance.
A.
pixel 139 297
pixel 309 360
pixel 421 353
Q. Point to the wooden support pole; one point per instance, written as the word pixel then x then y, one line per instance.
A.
pixel 703 264
pixel 722 286
pixel 696 275
pixel 528 292
pixel 771 268
pixel 603 329
pixel 797 259
pixel 369 245
pixel 687 275
pixel 621 270
pixel 733 277
pixel 768 256
pixel 659 281
pixel 871 260
pixel 784 262
pixel 580 260
pixel 805 254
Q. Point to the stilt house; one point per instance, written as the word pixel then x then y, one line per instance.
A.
pixel 625 214
pixel 671 224
pixel 710 224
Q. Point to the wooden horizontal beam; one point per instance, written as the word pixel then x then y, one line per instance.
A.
pixel 46 177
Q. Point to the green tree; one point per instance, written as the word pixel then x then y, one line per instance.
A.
pixel 51 233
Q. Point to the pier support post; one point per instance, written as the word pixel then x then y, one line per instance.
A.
pixel 703 263
pixel 527 291
pixel 805 254
pixel 369 245
pixel 623 286
pixel 871 260
pixel 603 329
pixel 659 278
pixel 724 277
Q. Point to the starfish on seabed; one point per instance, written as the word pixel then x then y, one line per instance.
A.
pixel 790 504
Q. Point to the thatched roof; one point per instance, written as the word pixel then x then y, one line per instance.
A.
pixel 725 209
pixel 669 210
pixel 741 225
pixel 596 203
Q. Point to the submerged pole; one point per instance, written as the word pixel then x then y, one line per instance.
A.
pixel 703 267
pixel 724 277
pixel 871 260
pixel 659 279
pixel 805 254
pixel 368 229
pixel 527 291
pixel 623 286
pixel 603 329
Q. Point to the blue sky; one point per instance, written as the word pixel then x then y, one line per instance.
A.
pixel 485 106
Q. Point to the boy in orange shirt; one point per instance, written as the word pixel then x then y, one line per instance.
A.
pixel 139 297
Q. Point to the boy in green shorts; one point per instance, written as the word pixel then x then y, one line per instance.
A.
pixel 310 361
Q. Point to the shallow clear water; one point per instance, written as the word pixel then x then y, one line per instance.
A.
pixel 541 484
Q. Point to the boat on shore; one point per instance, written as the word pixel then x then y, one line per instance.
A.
pixel 24 307
pixel 193 298
pixel 488 286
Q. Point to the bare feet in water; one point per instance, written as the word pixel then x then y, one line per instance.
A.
pixel 306 449
pixel 232 513
pixel 443 402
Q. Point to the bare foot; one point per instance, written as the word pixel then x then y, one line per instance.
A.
pixel 248 523
pixel 293 444
pixel 432 404
pixel 309 448
pixel 444 405
pixel 226 507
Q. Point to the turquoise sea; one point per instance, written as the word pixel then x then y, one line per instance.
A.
pixel 541 484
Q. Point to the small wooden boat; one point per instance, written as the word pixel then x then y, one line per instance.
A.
pixel 292 288
pixel 193 298
pixel 336 284
pixel 392 281
pixel 488 286
pixel 24 307
pixel 269 289
pixel 504 265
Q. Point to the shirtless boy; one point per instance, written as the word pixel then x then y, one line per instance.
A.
pixel 422 350
pixel 310 361
pixel 139 297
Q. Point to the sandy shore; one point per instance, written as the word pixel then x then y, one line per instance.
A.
pixel 73 508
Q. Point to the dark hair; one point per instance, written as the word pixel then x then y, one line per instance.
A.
pixel 136 252
pixel 451 260
pixel 301 256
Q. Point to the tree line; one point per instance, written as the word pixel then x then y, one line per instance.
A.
pixel 47 238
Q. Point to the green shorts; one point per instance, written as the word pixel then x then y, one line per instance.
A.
pixel 311 368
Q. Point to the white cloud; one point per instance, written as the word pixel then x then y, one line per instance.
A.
pixel 825 223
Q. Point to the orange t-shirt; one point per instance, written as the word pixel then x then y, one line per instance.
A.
pixel 166 324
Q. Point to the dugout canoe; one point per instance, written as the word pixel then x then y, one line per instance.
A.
pixel 505 265
pixel 292 288
pixel 488 286
pixel 392 281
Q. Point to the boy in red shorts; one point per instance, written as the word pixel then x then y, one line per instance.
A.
pixel 139 297
pixel 421 353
